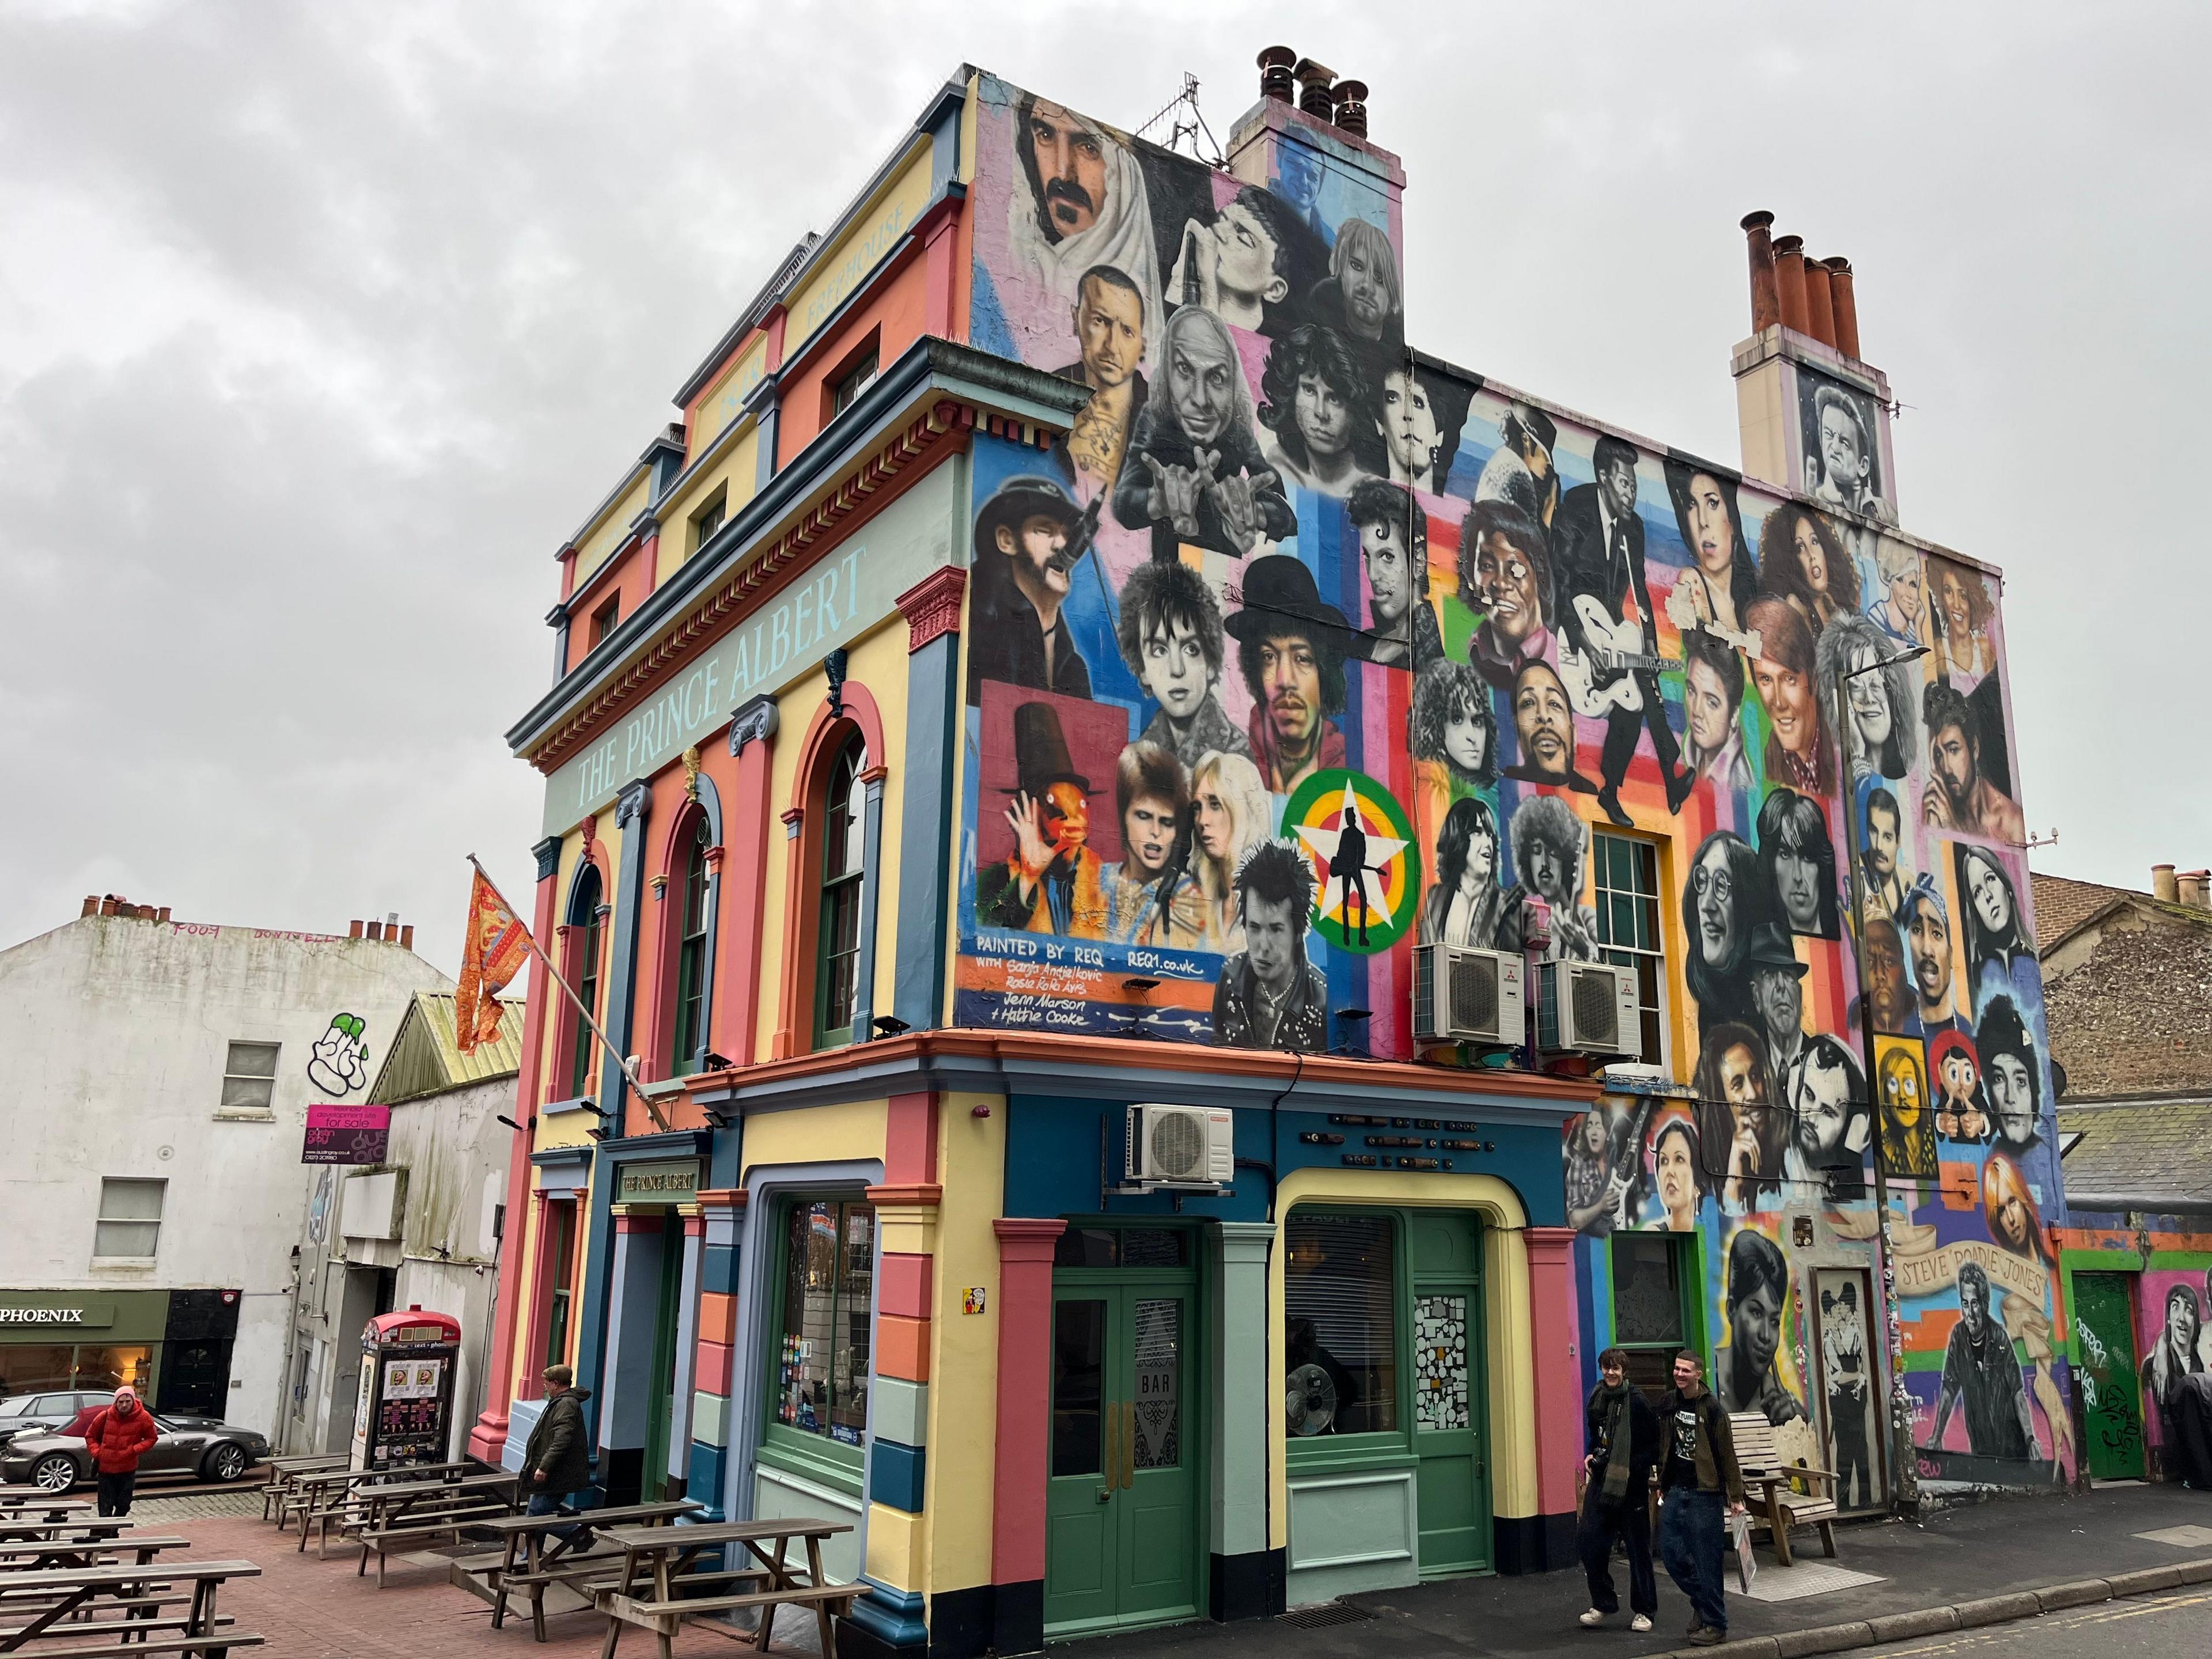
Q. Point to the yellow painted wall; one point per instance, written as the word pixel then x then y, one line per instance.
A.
pixel 815 1135
pixel 968 131
pixel 875 229
pixel 898 1546
pixel 612 528
pixel 723 401
pixel 964 1359
pixel 1511 1361
pixel 738 471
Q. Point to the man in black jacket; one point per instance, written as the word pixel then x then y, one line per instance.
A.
pixel 1698 1473
pixel 557 1464
pixel 1623 1449
pixel 1597 544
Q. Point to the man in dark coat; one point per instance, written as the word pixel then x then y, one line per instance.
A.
pixel 1029 537
pixel 1624 1451
pixel 557 1464
pixel 1598 553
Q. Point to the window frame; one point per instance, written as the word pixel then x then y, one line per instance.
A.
pixel 687 1028
pixel 267 1108
pixel 712 515
pixel 585 979
pixel 1686 1253
pixel 606 616
pixel 1393 1446
pixel 842 386
pixel 838 1464
pixel 101 1218
pixel 560 1218
pixel 850 886
pixel 1658 1031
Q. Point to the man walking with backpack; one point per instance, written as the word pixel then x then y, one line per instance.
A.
pixel 117 1438
pixel 1624 1442
pixel 1699 1475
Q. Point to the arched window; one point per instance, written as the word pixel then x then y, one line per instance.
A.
pixel 838 939
pixel 691 954
pixel 585 910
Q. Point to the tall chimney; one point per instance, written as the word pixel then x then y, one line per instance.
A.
pixel 2195 888
pixel 1275 78
pixel 1765 305
pixel 376 930
pixel 1789 281
pixel 1846 307
pixel 1819 308
pixel 2162 885
pixel 1312 89
pixel 1351 106
pixel 352 928
pixel 407 937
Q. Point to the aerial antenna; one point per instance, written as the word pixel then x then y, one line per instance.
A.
pixel 1186 125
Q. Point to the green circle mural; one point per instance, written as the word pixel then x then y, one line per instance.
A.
pixel 1368 908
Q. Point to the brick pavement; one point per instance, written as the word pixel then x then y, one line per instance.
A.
pixel 311 1609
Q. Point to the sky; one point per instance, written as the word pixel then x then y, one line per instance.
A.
pixel 322 327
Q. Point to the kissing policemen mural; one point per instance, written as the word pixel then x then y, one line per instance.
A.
pixel 1302 649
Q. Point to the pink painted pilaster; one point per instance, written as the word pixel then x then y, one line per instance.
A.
pixel 1017 1487
pixel 1558 1376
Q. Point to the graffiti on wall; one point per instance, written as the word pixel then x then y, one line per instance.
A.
pixel 338 1064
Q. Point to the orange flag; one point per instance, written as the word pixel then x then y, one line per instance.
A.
pixel 495 945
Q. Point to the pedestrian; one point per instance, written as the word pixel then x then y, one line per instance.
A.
pixel 1624 1442
pixel 117 1438
pixel 558 1461
pixel 1699 1475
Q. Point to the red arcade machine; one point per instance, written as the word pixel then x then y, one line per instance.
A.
pixel 406 1407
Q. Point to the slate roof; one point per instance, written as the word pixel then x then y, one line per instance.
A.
pixel 424 1059
pixel 2061 905
pixel 2153 1148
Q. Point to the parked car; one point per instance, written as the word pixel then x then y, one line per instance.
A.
pixel 23 1414
pixel 196 1448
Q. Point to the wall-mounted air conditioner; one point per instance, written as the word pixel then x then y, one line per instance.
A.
pixel 1181 1146
pixel 1463 995
pixel 1589 1008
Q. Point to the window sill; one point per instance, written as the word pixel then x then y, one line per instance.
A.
pixel 827 1465
pixel 236 1115
pixel 125 1265
pixel 555 1108
pixel 1323 1454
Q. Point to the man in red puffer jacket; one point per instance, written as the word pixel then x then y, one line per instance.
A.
pixel 117 1438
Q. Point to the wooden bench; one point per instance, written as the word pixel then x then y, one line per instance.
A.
pixel 210 1644
pixel 283 1473
pixel 540 1552
pixel 665 1619
pixel 437 1525
pixel 49 1597
pixel 666 1554
pixel 32 1554
pixel 1768 1481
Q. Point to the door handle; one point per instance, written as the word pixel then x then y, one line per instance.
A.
pixel 1112 1449
pixel 1128 1442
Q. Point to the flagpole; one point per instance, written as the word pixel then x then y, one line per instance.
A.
pixel 622 1063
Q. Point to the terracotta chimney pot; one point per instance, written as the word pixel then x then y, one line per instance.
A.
pixel 1846 307
pixel 2162 883
pixel 1765 305
pixel 1789 281
pixel 352 928
pixel 1820 305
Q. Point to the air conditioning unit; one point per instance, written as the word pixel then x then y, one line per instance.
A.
pixel 1464 995
pixel 1181 1147
pixel 1589 1008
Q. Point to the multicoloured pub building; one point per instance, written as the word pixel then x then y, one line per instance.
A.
pixel 1208 905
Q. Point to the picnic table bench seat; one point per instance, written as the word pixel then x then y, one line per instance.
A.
pixel 1769 1489
pixel 213 1645
pixel 423 1528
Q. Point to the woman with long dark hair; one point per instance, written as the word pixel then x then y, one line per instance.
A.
pixel 1722 579
pixel 2170 1376
pixel 1464 905
pixel 1736 1110
pixel 1800 559
pixel 1799 858
pixel 1882 732
pixel 1997 933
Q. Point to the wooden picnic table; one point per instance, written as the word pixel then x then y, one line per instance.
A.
pixel 283 1471
pixel 30 1555
pixel 30 1528
pixel 545 1557
pixel 385 1515
pixel 667 1555
pixel 52 1505
pixel 315 1495
pixel 62 1592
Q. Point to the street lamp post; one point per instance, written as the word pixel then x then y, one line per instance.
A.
pixel 1904 1483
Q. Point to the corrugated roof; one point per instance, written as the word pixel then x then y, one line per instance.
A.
pixel 2159 1148
pixel 425 1060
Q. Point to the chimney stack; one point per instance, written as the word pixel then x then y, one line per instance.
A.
pixel 2195 887
pixel 352 928
pixel 108 904
pixel 407 937
pixel 1351 106
pixel 162 915
pixel 91 906
pixel 1314 96
pixel 1846 307
pixel 1275 78
pixel 376 930
pixel 2162 883
pixel 1789 281
pixel 1820 306
pixel 1765 305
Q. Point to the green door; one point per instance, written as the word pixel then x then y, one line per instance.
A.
pixel 1454 1478
pixel 2104 1331
pixel 1121 1544
pixel 660 1398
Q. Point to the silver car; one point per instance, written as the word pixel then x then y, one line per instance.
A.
pixel 196 1448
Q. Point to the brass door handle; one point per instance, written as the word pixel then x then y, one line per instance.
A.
pixel 1128 1442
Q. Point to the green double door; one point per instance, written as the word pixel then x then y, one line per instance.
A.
pixel 1452 1478
pixel 2112 1400
pixel 1121 1518
pixel 660 1398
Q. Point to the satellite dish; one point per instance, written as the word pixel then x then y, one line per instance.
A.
pixel 1309 1400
